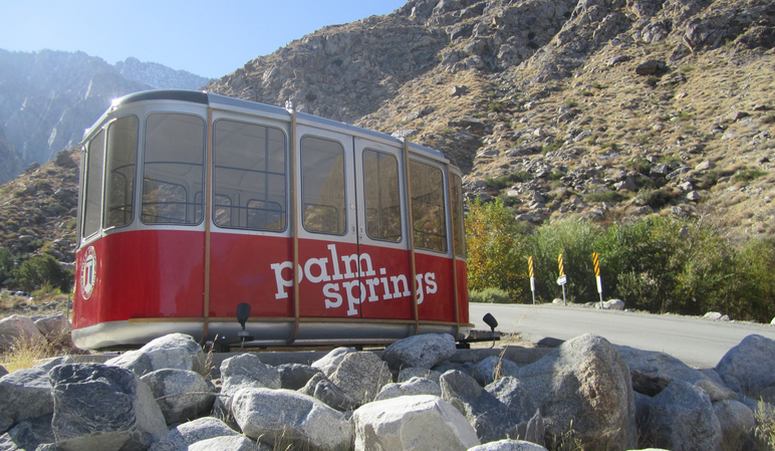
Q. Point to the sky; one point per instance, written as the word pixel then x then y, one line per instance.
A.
pixel 209 38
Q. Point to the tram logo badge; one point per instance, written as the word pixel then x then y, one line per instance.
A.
pixel 351 278
pixel 88 272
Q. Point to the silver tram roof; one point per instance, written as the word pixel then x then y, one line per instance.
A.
pixel 231 103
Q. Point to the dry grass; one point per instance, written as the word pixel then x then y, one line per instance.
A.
pixel 26 353
pixel 765 424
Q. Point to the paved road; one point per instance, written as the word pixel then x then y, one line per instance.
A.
pixel 698 342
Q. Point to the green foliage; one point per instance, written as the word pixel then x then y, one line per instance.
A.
pixel 6 265
pixel 490 296
pixel 500 182
pixel 765 424
pixel 654 198
pixel 39 271
pixel 748 174
pixel 605 195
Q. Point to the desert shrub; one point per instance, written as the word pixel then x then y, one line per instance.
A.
pixel 765 425
pixel 490 295
pixel 39 271
pixel 6 265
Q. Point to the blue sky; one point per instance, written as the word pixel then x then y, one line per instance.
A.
pixel 209 38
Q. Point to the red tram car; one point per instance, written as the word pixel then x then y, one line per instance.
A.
pixel 193 203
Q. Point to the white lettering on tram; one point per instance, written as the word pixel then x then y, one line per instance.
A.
pixel 355 280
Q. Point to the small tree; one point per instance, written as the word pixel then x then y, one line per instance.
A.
pixel 40 270
pixel 6 266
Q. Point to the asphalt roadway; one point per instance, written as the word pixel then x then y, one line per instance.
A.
pixel 697 342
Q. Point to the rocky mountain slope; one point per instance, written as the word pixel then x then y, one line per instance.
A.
pixel 48 98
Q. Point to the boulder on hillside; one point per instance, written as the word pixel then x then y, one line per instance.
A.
pixel 24 394
pixel 680 417
pixel 183 435
pixel 421 351
pixel 508 445
pixel 490 368
pixel 585 382
pixel 294 376
pixel 361 375
pixel 652 67
pixel 488 416
pixel 412 422
pixel 737 424
pixel 414 386
pixel 182 395
pixel 329 362
pixel 284 417
pixel 749 367
pixel 103 407
pixel 178 351
pixel 322 389
pixel 18 328
pixel 229 442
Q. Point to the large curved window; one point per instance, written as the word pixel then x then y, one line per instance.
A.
pixel 95 156
pixel 322 186
pixel 381 196
pixel 121 163
pixel 427 194
pixel 173 169
pixel 249 178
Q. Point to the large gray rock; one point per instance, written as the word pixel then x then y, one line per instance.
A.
pixel 749 367
pixel 182 395
pixel 18 328
pixel 294 376
pixel 3 371
pixel 584 384
pixel 24 394
pixel 55 328
pixel 178 351
pixel 737 424
pixel 412 422
pixel 185 434
pixel 414 386
pixel 484 412
pixel 322 389
pixel 242 371
pixel 230 443
pixel 361 375
pixel 508 445
pixel 488 369
pixel 28 434
pixel 329 362
pixel 519 405
pixel 103 407
pixel 422 351
pixel 407 373
pixel 283 416
pixel 680 417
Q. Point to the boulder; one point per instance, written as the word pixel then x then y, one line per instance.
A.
pixel 293 376
pixel 419 423
pixel 24 394
pixel 55 328
pixel 749 367
pixel 612 304
pixel 414 386
pixel 493 367
pixel 177 351
pixel 328 363
pixel 519 405
pixel 18 328
pixel 484 412
pixel 423 351
pixel 772 323
pixel 407 373
pixel 182 395
pixel 103 407
pixel 28 434
pixel 715 316
pixel 508 445
pixel 361 375
pixel 737 424
pixel 680 417
pixel 241 371
pixel 229 442
pixel 651 67
pixel 185 434
pixel 3 371
pixel 322 389
pixel 280 417
pixel 584 384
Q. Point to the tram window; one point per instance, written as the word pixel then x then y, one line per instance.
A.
pixel 95 155
pixel 322 186
pixel 427 189
pixel 381 195
pixel 456 207
pixel 121 162
pixel 172 171
pixel 250 171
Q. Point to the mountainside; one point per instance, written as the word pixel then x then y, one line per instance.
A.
pixel 48 98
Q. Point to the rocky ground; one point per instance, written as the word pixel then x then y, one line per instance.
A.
pixel 419 393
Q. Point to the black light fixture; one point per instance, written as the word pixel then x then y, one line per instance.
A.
pixel 243 313
pixel 493 323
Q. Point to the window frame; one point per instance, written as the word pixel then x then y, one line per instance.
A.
pixel 444 200
pixel 345 210
pixel 133 194
pixel 461 251
pixel 398 192
pixel 86 173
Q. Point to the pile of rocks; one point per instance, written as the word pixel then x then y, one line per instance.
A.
pixel 414 395
pixel 53 329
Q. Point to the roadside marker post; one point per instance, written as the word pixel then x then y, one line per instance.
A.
pixel 563 279
pixel 532 277
pixel 598 279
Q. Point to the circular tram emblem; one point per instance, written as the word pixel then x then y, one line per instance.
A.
pixel 88 272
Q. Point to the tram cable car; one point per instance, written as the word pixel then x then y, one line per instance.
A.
pixel 192 204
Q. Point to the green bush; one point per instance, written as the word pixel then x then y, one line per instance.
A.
pixel 6 266
pixel 39 271
pixel 490 295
